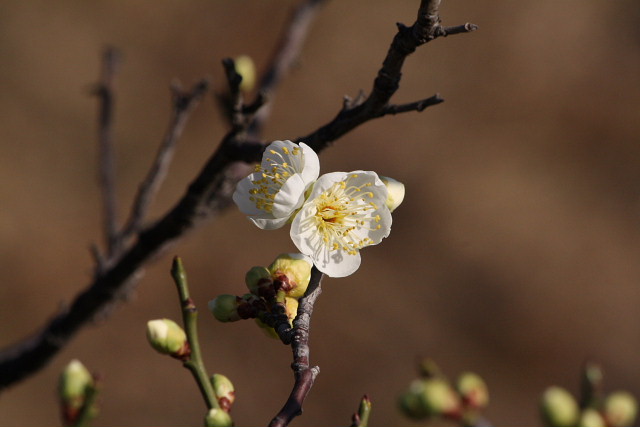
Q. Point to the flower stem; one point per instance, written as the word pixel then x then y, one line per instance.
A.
pixel 189 319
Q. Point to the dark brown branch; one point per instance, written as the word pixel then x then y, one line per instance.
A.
pixel 458 29
pixel 183 104
pixel 106 95
pixel 426 28
pixel 210 192
pixel 304 374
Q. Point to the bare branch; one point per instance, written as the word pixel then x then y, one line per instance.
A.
pixel 105 93
pixel 458 29
pixel 304 374
pixel 183 104
pixel 412 106
pixel 210 192
pixel 426 28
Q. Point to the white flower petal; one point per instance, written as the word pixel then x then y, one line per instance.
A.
pixel 311 169
pixel 269 224
pixel 339 264
pixel 343 213
pixel 289 198
pixel 242 196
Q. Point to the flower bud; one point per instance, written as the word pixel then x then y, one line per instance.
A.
pixel 224 390
pixel 217 418
pixel 440 398
pixel 291 273
pixel 620 409
pixel 429 369
pixel 246 68
pixel 167 337
pixel 591 418
pixel 412 402
pixel 74 388
pixel 225 308
pixel 558 407
pixel 74 380
pixel 258 280
pixel 395 190
pixel 473 390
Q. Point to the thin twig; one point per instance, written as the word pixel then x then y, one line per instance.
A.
pixel 106 94
pixel 412 106
pixel 304 374
pixel 426 28
pixel 183 104
pixel 194 363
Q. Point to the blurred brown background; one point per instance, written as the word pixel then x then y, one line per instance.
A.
pixel 515 253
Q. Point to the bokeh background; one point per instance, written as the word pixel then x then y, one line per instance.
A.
pixel 515 254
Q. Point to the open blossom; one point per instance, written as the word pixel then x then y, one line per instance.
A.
pixel 343 213
pixel 273 193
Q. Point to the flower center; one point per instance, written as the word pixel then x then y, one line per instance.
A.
pixel 343 209
pixel 274 175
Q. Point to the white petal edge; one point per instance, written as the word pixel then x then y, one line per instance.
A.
pixel 340 264
pixel 311 169
pixel 268 223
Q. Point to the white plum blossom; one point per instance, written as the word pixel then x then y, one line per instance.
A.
pixel 343 213
pixel 276 190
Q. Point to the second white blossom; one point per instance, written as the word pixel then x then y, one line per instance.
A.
pixel 343 213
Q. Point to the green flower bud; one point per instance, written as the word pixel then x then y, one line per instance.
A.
pixel 291 273
pixel 620 409
pixel 395 191
pixel 73 383
pixel 473 390
pixel 217 418
pixel 246 68
pixel 558 407
pixel 224 390
pixel 167 337
pixel 258 280
pixel 412 403
pixel 440 398
pixel 225 308
pixel 429 369
pixel 591 418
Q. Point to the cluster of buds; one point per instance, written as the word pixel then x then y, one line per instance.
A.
pixel 560 409
pixel 76 389
pixel 433 396
pixel 273 291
